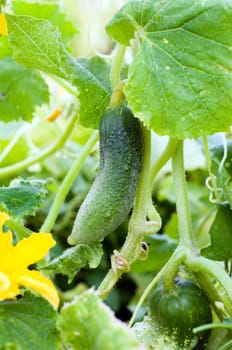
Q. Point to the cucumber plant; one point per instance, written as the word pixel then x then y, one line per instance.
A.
pixel 166 84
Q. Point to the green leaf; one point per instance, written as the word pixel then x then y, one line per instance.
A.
pixel 180 81
pixel 37 44
pixel 223 173
pixel 23 197
pixel 221 236
pixel 47 10
pixel 21 90
pixel 74 258
pixel 88 323
pixel 160 248
pixel 99 68
pixel 28 323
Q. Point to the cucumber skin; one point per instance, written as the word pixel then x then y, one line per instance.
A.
pixel 112 194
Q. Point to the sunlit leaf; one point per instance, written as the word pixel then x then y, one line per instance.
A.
pixel 37 44
pixel 180 82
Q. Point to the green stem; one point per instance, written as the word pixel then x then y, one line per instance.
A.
pixel 163 158
pixel 139 211
pixel 160 162
pixel 117 62
pixel 23 165
pixel 67 183
pixel 186 235
pixel 226 346
pixel 67 86
pixel 211 326
pixel 217 337
pixel 211 175
pixel 173 263
pixel 137 225
pixel 213 269
pixel 12 143
pixel 213 294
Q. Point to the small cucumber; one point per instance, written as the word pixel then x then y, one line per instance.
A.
pixel 112 194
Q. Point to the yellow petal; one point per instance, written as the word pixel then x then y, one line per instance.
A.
pixel 5 242
pixel 4 282
pixel 8 290
pixel 3 26
pixel 36 281
pixel 32 249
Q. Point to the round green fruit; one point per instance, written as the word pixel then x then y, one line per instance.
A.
pixel 181 309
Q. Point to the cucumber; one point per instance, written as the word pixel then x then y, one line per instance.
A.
pixel 112 194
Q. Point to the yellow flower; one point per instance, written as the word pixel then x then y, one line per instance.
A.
pixel 14 262
pixel 3 26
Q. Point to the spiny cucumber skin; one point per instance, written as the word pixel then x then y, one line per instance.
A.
pixel 112 194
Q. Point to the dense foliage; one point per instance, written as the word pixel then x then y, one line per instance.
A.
pixel 98 216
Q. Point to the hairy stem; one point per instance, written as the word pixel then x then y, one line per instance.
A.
pixel 174 261
pixel 186 236
pixel 67 183
pixel 116 65
pixel 211 268
pixel 163 158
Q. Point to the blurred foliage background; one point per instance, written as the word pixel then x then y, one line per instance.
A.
pixel 18 140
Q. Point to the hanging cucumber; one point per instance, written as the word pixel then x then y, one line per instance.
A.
pixel 112 194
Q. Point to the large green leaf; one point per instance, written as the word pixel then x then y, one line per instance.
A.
pixel 21 90
pixel 88 324
pixel 28 324
pixel 37 44
pixel 73 259
pixel 180 81
pixel 23 197
pixel 47 10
